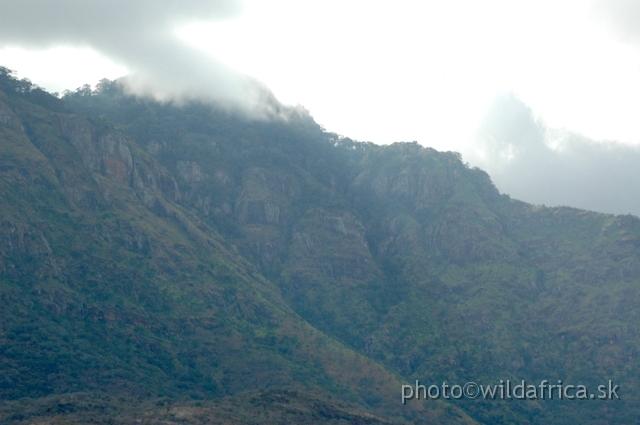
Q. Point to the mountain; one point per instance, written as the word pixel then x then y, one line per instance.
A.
pixel 115 297
pixel 183 262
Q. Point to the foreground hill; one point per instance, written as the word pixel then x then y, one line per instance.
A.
pixel 271 268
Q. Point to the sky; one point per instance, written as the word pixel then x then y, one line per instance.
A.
pixel 543 95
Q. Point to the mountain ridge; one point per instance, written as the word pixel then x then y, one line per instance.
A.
pixel 109 286
pixel 295 250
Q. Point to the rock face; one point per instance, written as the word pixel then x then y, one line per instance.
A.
pixel 261 211
pixel 108 153
pixel 444 203
pixel 424 180
pixel 264 197
pixel 189 171
pixel 335 244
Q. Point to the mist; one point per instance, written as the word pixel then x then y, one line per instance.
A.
pixel 535 163
pixel 140 35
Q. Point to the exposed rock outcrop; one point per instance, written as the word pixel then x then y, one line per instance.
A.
pixel 109 153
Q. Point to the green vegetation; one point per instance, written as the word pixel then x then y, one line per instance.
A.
pixel 168 262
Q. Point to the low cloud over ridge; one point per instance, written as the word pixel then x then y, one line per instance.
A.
pixel 140 34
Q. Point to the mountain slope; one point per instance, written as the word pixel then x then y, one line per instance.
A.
pixel 407 255
pixel 110 287
pixel 189 251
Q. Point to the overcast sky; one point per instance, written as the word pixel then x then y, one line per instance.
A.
pixel 530 91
